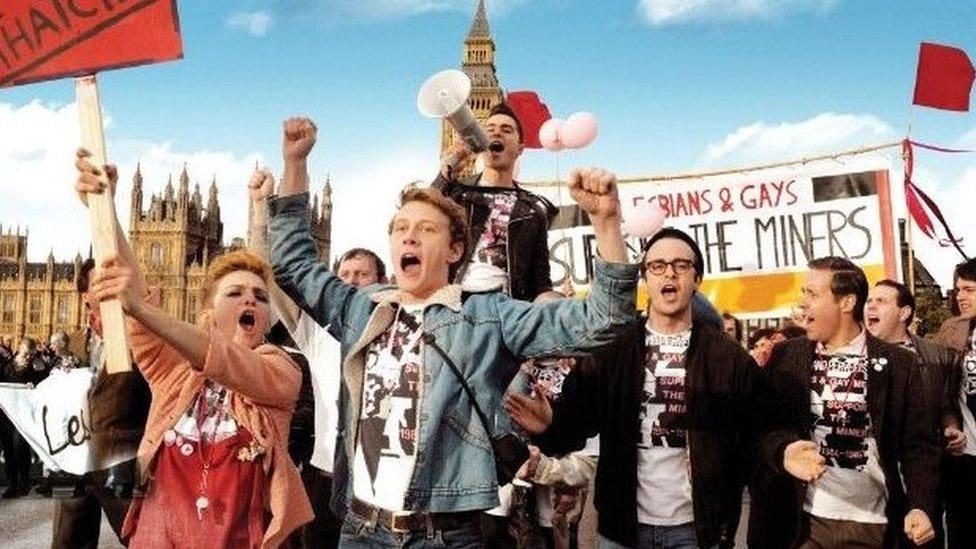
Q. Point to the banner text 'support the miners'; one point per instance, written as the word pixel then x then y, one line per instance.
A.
pixel 757 229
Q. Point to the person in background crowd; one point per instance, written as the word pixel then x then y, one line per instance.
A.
pixel 674 382
pixel 556 484
pixel 25 367
pixel 732 327
pixel 888 313
pixel 361 268
pixel 119 405
pixel 214 450
pixel 959 334
pixel 790 331
pixel 58 354
pixel 845 415
pixel 415 463
pixel 761 343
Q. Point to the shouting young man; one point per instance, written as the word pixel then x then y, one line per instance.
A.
pixel 508 244
pixel 671 403
pixel 847 417
pixel 416 463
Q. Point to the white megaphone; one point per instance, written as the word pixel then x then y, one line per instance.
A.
pixel 445 95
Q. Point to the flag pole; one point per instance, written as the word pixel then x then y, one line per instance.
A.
pixel 908 215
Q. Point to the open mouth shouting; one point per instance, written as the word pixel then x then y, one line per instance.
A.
pixel 496 146
pixel 247 321
pixel 410 264
pixel 669 291
pixel 872 320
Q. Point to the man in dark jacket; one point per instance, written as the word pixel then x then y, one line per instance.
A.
pixel 889 311
pixel 959 334
pixel 119 406
pixel 508 242
pixel 671 403
pixel 847 417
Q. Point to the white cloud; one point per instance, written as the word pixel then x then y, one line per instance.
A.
pixel 37 177
pixel 824 133
pixel 670 12
pixel 256 23
pixel 372 189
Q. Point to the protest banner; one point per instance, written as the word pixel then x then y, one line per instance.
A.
pixel 49 39
pixel 54 419
pixel 757 228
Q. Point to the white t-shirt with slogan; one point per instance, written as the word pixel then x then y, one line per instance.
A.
pixel 967 395
pixel 386 450
pixel 853 486
pixel 488 269
pixel 664 484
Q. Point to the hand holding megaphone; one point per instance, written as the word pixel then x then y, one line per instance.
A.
pixel 445 95
pixel 455 156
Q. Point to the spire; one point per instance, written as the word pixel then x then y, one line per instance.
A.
pixel 137 178
pixel 135 206
pixel 479 27
pixel 184 185
pixel 327 196
pixel 213 208
pixel 197 197
pixel 169 189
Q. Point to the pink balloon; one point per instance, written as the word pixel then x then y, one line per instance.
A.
pixel 579 130
pixel 550 135
pixel 645 220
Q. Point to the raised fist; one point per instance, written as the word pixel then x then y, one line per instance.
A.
pixel 261 185
pixel 299 138
pixel 595 190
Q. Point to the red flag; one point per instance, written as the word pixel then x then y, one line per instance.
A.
pixel 532 113
pixel 944 79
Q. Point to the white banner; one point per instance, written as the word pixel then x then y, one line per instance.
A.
pixel 55 420
pixel 757 228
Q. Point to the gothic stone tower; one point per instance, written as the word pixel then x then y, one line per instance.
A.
pixel 478 62
pixel 174 241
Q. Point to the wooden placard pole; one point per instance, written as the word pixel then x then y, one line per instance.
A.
pixel 101 214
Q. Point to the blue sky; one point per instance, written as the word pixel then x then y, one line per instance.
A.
pixel 676 85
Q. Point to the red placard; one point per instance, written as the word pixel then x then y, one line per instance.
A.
pixel 48 39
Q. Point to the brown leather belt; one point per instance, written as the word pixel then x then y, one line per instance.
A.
pixel 413 522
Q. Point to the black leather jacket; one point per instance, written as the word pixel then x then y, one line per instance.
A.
pixel 604 397
pixel 528 240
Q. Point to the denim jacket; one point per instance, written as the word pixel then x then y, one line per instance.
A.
pixel 484 334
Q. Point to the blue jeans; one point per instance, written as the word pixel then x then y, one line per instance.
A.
pixel 681 536
pixel 358 534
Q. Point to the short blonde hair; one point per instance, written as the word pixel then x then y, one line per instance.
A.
pixel 456 217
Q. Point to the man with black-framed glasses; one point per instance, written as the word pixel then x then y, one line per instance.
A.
pixel 670 404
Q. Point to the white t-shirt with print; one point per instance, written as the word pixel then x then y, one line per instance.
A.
pixel 853 485
pixel 324 356
pixel 488 269
pixel 663 480
pixel 967 395
pixel 386 447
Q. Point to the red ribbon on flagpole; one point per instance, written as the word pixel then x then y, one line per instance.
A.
pixel 915 198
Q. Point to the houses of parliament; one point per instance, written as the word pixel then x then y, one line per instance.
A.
pixel 175 235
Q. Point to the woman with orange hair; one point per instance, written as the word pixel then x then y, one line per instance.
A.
pixel 214 451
